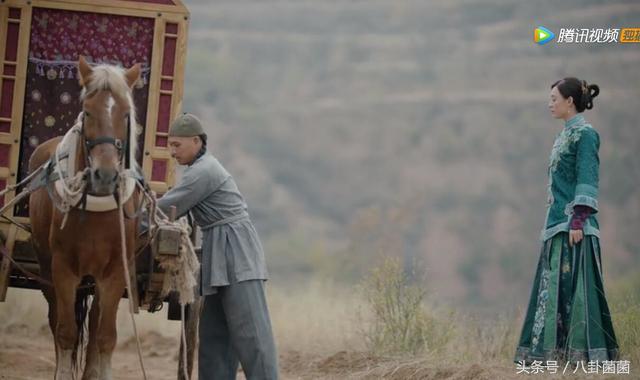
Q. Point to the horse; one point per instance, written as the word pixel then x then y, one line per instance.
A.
pixel 77 245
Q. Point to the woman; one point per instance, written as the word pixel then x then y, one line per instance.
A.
pixel 568 317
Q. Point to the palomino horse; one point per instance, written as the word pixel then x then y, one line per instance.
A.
pixel 89 244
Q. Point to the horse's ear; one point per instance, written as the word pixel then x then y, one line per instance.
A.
pixel 133 74
pixel 85 71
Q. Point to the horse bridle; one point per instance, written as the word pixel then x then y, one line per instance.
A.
pixel 89 144
pixel 121 147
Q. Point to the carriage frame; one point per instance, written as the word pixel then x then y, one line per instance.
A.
pixel 165 93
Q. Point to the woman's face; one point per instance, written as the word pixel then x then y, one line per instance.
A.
pixel 559 106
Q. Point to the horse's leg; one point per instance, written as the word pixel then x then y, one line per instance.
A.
pixel 50 296
pixel 48 291
pixel 92 368
pixel 111 290
pixel 40 213
pixel 65 282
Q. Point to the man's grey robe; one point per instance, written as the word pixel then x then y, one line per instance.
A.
pixel 231 249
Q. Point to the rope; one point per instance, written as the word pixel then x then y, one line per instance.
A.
pixel 18 224
pixel 71 187
pixel 24 193
pixel 5 253
pixel 29 274
pixel 183 334
pixel 15 200
pixel 125 265
pixel 180 271
pixel 27 179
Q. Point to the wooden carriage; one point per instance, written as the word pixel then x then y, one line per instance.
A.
pixel 40 41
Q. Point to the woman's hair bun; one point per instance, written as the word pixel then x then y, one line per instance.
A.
pixel 581 92
pixel 592 91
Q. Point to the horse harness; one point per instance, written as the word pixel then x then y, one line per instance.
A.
pixel 51 174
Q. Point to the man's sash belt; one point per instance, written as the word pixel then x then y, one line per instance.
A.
pixel 231 219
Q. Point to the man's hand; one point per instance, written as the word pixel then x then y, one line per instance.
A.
pixel 575 236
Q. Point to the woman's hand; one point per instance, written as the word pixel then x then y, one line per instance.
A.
pixel 575 236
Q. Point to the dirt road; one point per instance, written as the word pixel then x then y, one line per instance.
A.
pixel 28 355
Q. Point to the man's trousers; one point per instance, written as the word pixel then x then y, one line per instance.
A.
pixel 235 328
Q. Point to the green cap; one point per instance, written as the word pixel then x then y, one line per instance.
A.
pixel 186 125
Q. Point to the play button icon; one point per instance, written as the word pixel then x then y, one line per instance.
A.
pixel 542 35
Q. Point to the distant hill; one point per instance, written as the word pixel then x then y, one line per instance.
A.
pixel 417 128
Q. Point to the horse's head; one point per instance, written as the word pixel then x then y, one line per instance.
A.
pixel 108 122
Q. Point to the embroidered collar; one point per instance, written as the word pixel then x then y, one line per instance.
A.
pixel 576 120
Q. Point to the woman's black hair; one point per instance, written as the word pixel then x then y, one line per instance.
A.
pixel 581 92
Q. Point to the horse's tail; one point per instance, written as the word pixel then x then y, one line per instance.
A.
pixel 81 311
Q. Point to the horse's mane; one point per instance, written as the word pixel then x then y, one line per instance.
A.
pixel 112 78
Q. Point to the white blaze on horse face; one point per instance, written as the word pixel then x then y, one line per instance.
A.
pixel 104 155
pixel 110 103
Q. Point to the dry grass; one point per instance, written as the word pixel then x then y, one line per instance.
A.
pixel 398 321
pixel 624 298
pixel 321 332
pixel 315 317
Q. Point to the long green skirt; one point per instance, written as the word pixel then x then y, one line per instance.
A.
pixel 568 317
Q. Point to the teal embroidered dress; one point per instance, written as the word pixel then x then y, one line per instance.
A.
pixel 568 317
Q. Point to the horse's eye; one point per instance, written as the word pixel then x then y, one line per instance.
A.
pixel 87 114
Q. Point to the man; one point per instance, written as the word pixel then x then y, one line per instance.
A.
pixel 235 324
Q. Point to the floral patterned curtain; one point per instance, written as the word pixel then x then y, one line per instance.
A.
pixel 58 37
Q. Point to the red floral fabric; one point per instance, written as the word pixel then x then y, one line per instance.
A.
pixel 57 38
pixel 59 35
